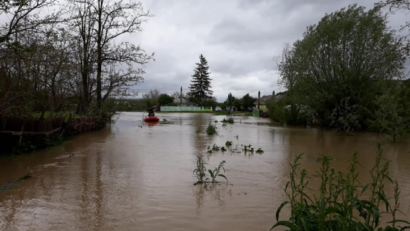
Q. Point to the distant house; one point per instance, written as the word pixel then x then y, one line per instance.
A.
pixel 185 102
pixel 263 101
pixel 266 98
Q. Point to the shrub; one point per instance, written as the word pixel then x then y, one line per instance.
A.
pixel 340 205
pixel 211 129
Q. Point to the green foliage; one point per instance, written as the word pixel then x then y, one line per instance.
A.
pixel 340 203
pixel 237 103
pixel 247 101
pixel 200 89
pixel 342 63
pixel 259 151
pixel 392 116
pixel 228 143
pixel 201 173
pixel 211 129
pixel 229 101
pixel 51 142
pixel 211 102
pixel 216 172
pixel 151 98
pixel 215 147
pixel 345 117
pixel 165 99
pixel 287 112
pixel 248 148
pixel 229 120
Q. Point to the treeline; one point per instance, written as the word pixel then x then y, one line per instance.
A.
pixel 245 103
pixel 348 73
pixel 72 60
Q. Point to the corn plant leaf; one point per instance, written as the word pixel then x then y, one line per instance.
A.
pixel 288 224
pixel 279 209
pixel 365 188
pixel 222 175
pixel 211 173
pixel 399 221
pixel 384 199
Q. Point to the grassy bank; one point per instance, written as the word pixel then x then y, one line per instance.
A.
pixel 237 113
pixel 23 135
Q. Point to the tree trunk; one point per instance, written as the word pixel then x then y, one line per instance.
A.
pixel 99 53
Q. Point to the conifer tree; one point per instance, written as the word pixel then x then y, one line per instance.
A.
pixel 200 88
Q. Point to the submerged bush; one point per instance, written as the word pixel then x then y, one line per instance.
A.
pixel 211 129
pixel 340 204
pixel 229 120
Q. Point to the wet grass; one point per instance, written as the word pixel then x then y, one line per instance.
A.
pixel 339 203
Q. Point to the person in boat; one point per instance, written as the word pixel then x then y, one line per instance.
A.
pixel 151 111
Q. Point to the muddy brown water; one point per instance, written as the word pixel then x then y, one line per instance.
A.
pixel 131 176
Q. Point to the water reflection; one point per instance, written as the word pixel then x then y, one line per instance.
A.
pixel 211 193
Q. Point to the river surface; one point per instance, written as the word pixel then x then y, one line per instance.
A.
pixel 130 176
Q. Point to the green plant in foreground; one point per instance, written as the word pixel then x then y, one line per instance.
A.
pixel 215 147
pixel 211 129
pixel 259 151
pixel 229 120
pixel 200 172
pixel 248 148
pixel 216 172
pixel 228 143
pixel 339 204
pixel 223 149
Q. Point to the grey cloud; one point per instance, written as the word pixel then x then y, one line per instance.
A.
pixel 238 37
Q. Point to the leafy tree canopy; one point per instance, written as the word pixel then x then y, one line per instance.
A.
pixel 342 61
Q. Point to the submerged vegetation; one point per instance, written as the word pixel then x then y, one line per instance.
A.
pixel 229 120
pixel 211 129
pixel 343 203
pixel 201 173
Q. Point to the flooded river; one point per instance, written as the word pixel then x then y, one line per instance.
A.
pixel 130 176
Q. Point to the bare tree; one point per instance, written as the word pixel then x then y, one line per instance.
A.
pixel 113 19
pixel 20 11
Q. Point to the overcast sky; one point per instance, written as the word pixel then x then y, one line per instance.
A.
pixel 239 38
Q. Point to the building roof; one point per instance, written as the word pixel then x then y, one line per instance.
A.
pixel 184 101
pixel 264 100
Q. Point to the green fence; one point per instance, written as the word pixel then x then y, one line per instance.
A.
pixel 185 108
pixel 256 112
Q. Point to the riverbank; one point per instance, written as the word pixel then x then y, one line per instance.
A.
pixel 236 113
pixel 23 135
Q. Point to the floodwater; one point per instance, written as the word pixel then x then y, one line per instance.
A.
pixel 131 176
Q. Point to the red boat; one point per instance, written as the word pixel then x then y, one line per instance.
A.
pixel 151 119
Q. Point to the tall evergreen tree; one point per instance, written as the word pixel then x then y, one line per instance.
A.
pixel 200 88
